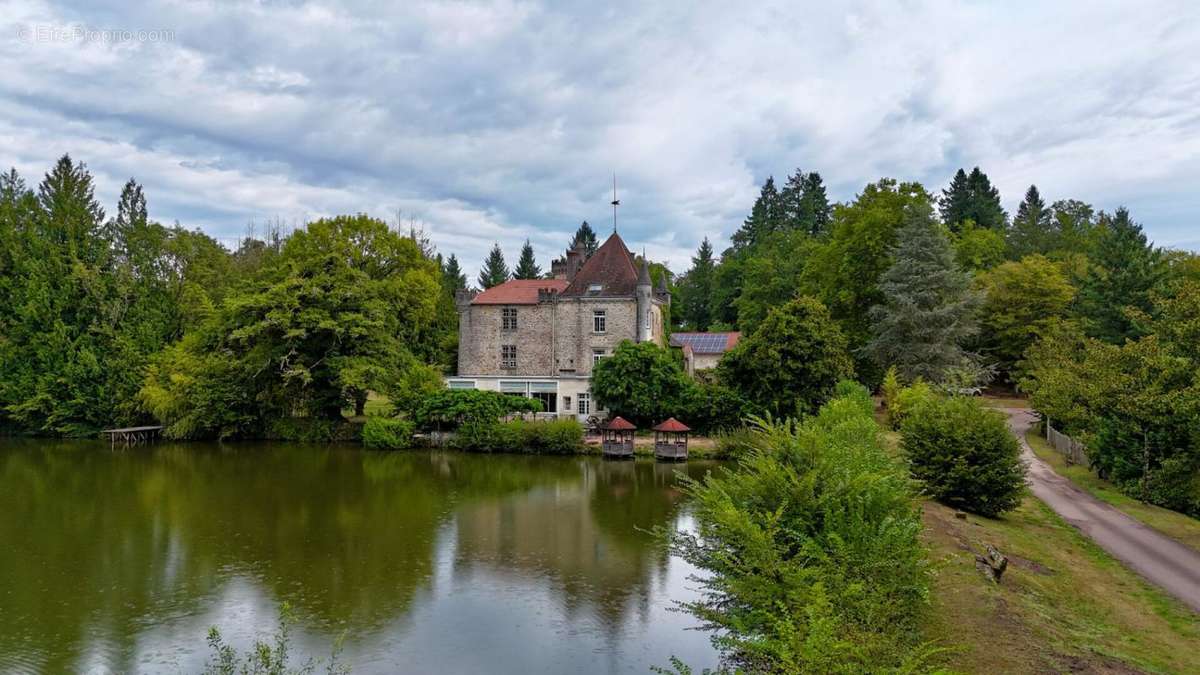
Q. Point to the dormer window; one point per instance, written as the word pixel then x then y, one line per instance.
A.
pixel 595 288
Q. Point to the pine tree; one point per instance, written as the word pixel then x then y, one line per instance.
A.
pixel 527 267
pixel 696 290
pixel 814 205
pixel 1124 269
pixel 495 270
pixel 766 216
pixel 452 275
pixel 1033 227
pixel 971 197
pixel 929 307
pixel 72 214
pixel 586 236
pixel 131 217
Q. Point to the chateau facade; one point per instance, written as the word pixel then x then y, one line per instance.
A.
pixel 541 337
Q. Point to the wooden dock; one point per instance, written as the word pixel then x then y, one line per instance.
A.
pixel 132 435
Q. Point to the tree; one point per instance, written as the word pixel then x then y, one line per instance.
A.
pixel 1075 223
pixel 453 277
pixel 964 454
pixel 928 311
pixel 642 382
pixel 790 364
pixel 586 237
pixel 527 267
pixel 1033 229
pixel 342 311
pixel 977 248
pixel 1021 300
pixel 1124 269
pixel 844 271
pixel 805 205
pixel 766 216
pixel 495 271
pixel 773 275
pixel 972 197
pixel 696 289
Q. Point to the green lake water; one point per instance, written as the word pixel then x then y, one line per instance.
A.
pixel 427 562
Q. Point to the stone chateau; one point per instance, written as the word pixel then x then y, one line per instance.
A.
pixel 540 337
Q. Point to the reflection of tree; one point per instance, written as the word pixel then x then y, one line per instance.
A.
pixel 596 549
pixel 99 546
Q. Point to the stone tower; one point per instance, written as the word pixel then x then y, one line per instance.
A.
pixel 644 328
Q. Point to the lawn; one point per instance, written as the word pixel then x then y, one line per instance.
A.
pixel 1064 605
pixel 1171 523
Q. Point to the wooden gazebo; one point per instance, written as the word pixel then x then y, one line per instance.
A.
pixel 617 438
pixel 671 440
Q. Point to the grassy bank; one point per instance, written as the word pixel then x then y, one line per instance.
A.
pixel 1064 605
pixel 1171 523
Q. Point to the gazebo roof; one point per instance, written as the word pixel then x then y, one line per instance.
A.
pixel 672 424
pixel 619 424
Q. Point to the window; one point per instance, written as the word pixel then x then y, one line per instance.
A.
pixel 461 384
pixel 508 318
pixel 549 400
pixel 585 404
pixel 597 354
pixel 508 356
pixel 599 321
pixel 595 288
pixel 567 403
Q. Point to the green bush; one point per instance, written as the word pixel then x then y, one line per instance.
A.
pixel 811 549
pixel 909 399
pixel 643 382
pixel 538 438
pixel 712 407
pixel 450 408
pixel 387 433
pixel 965 455
pixel 311 430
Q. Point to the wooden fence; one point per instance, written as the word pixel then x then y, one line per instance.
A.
pixel 1070 448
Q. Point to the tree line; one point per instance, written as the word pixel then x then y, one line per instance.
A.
pixel 113 321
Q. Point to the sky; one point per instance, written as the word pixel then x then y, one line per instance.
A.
pixel 501 121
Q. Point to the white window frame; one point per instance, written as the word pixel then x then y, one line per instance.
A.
pixel 508 362
pixel 584 403
pixel 598 354
pixel 508 318
pixel 599 321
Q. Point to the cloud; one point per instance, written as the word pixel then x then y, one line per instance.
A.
pixel 500 121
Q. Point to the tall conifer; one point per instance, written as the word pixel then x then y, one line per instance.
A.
pixel 527 267
pixel 495 270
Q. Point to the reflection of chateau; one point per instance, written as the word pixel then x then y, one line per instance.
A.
pixel 540 337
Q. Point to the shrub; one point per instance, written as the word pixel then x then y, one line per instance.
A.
pixel 965 455
pixel 644 383
pixel 713 407
pixel 552 437
pixel 889 390
pixel 450 408
pixel 387 433
pixel 810 549
pixel 909 399
pixel 311 430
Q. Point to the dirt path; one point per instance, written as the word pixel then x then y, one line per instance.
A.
pixel 1161 560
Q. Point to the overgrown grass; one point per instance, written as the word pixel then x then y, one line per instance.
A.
pixel 1178 526
pixel 1064 605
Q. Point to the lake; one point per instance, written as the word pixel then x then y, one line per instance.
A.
pixel 427 562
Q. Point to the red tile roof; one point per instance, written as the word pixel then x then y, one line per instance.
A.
pixel 611 266
pixel 672 424
pixel 517 292
pixel 706 343
pixel 620 424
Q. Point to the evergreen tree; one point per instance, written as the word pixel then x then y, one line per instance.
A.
pixel 696 291
pixel 766 216
pixel 72 214
pixel 1124 269
pixel 818 213
pixel 972 197
pixel 1075 222
pixel 586 236
pixel 527 267
pixel 452 274
pixel 1033 228
pixel 804 204
pixel 495 270
pixel 929 307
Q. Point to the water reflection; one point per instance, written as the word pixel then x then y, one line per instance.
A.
pixel 119 561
